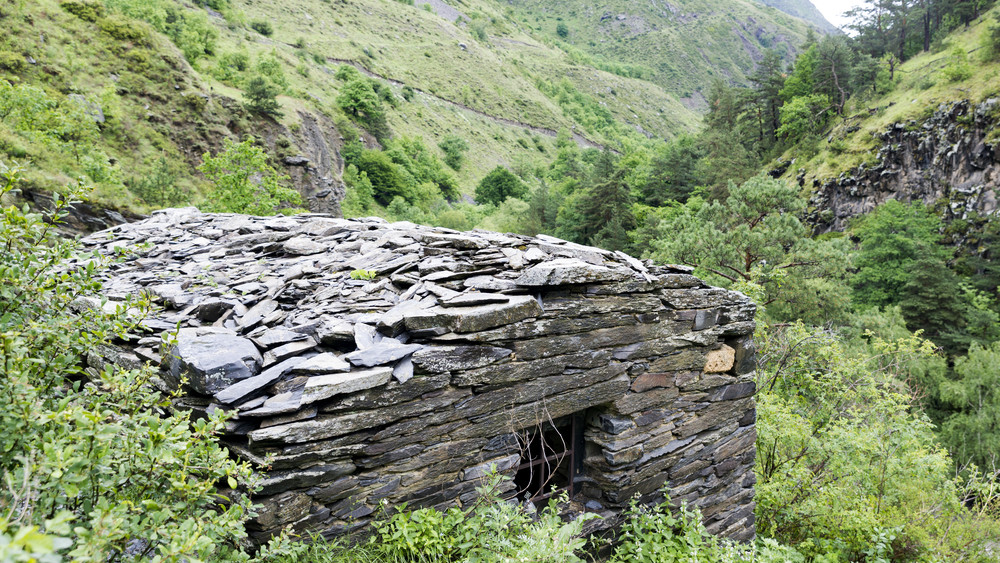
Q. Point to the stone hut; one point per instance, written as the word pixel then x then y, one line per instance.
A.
pixel 365 361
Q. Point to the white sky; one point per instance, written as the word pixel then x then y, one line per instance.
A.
pixel 833 9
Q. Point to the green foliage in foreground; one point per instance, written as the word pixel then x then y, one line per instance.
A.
pixel 94 454
pixel 667 534
pixel 245 182
pixel 847 468
pixel 492 530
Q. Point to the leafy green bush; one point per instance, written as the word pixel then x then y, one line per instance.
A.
pixel 97 446
pixel 245 182
pixel 346 73
pixel 388 179
pixel 359 99
pixel 498 185
pixel 86 10
pixel 159 187
pixel 262 27
pixel 958 67
pixel 803 115
pixel 12 62
pixel 189 29
pixel 124 29
pixel 490 530
pixel 667 534
pixel 270 67
pixel 359 198
pixel 60 125
pixel 846 466
pixel 454 148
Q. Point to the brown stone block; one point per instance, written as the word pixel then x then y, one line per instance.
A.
pixel 648 381
pixel 721 360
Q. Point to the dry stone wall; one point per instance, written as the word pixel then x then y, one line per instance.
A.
pixel 366 361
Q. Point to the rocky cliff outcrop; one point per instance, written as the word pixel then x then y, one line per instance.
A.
pixel 365 361
pixel 948 161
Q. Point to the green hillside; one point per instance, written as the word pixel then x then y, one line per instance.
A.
pixel 955 70
pixel 164 81
pixel 804 10
pixel 153 85
pixel 682 46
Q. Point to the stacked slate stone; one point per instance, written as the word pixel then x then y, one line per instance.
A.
pixel 364 361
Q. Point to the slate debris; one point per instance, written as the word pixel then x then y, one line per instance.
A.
pixel 363 360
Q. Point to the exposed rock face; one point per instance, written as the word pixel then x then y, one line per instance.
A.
pixel 945 160
pixel 377 361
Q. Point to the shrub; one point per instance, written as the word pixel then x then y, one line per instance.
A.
pixel 408 93
pixel 346 73
pixel 454 148
pixel 478 29
pixel 87 10
pixel 655 535
pixel 124 28
pixel 271 68
pixel 262 27
pixel 95 445
pixel 358 98
pixel 958 67
pixel 11 61
pixel 159 187
pixel 562 30
pixel 498 185
pixel 490 530
pixel 388 179
pixel 245 182
pixel 261 96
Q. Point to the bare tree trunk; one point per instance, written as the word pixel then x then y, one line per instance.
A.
pixel 927 27
pixel 836 84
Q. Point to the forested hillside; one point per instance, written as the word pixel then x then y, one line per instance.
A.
pixel 151 86
pixel 681 46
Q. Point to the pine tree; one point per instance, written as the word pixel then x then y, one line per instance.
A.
pixel 606 206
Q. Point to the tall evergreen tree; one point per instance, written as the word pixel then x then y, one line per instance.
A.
pixel 892 239
pixel 606 205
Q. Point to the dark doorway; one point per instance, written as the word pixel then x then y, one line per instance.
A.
pixel 551 459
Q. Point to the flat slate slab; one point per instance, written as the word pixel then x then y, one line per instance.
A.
pixel 565 271
pixel 382 353
pixel 474 319
pixel 247 388
pixel 323 387
pixel 327 362
pixel 212 361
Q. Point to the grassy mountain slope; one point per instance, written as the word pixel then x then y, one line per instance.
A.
pixel 481 70
pixel 680 45
pixel 804 10
pixel 476 76
pixel 481 85
pixel 923 85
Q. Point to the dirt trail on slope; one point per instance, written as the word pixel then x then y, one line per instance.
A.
pixel 580 139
